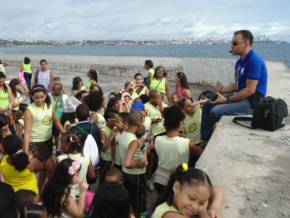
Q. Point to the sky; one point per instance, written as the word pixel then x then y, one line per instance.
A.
pixel 142 19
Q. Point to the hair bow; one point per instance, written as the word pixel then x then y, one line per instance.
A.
pixel 74 168
pixel 184 167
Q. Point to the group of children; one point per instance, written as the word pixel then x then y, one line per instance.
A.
pixel 106 158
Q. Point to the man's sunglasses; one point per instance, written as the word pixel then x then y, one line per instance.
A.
pixel 235 43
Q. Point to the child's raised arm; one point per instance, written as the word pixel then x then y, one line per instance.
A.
pixel 77 209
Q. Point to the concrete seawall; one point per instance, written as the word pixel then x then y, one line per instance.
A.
pixel 197 69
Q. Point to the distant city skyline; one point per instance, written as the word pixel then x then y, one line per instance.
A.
pixel 142 19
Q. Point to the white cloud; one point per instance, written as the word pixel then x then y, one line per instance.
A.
pixel 142 19
pixel 203 29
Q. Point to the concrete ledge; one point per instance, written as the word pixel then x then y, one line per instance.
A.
pixel 198 70
pixel 253 165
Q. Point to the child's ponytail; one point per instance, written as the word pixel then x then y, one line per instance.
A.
pixel 13 147
pixel 73 141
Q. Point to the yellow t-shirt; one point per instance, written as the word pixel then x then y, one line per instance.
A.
pixel 2 68
pixel 162 209
pixel 191 126
pixel 41 123
pixel 158 85
pixel 27 68
pixel 107 154
pixel 4 100
pixel 24 180
pixel 153 113
pixel 89 84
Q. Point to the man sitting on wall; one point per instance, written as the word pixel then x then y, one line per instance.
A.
pixel 249 87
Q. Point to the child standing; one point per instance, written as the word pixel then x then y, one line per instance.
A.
pixel 122 125
pixel 188 194
pixel 70 146
pixel 93 77
pixel 149 71
pixel 38 119
pixel 95 102
pixel 77 85
pixel 134 163
pixel 59 196
pixel 27 69
pixel 172 149
pixel 109 149
pixel 58 100
pixel 154 109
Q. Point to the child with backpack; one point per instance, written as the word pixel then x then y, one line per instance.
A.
pixel 88 134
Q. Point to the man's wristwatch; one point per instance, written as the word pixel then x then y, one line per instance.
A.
pixel 229 100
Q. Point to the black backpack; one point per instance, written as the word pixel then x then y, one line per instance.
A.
pixel 269 114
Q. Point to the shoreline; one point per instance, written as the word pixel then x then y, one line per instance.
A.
pixel 87 58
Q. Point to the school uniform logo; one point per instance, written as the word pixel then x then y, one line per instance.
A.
pixel 242 70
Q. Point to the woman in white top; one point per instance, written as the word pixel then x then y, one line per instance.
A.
pixel 172 149
pixel 44 76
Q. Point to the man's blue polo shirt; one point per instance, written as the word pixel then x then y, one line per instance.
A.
pixel 253 68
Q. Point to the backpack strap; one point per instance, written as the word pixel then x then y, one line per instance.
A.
pixel 158 84
pixel 82 130
pixel 238 119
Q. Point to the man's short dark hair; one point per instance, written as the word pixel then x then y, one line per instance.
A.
pixel 82 112
pixel 246 34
